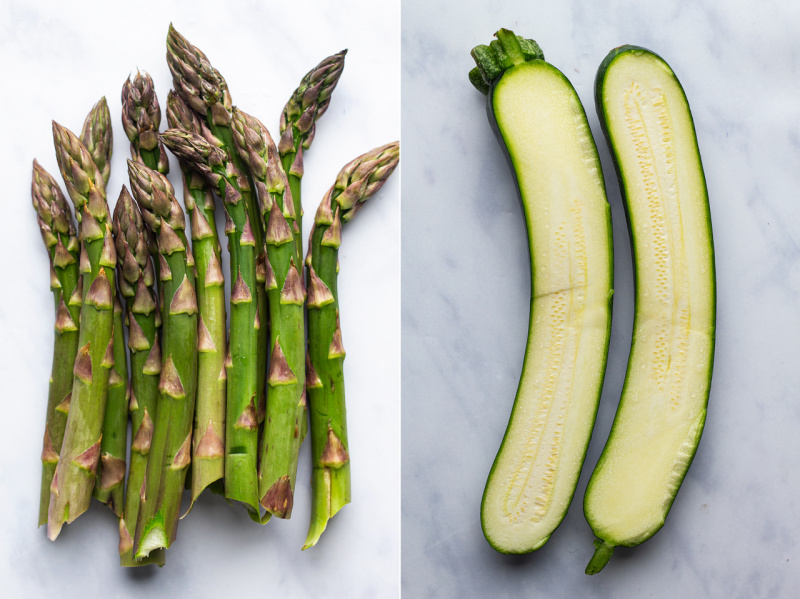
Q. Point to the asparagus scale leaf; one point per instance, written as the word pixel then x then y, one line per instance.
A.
pixel 208 440
pixel 61 241
pixel 359 180
pixel 74 479
pixel 170 448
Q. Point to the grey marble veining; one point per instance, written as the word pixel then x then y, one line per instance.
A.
pixel 734 528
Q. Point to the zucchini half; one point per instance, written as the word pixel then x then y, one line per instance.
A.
pixel 649 128
pixel 542 126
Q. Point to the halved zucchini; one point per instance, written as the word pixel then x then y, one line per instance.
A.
pixel 542 125
pixel 649 128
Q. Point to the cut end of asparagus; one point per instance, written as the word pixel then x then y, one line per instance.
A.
pixel 154 539
pixel 331 492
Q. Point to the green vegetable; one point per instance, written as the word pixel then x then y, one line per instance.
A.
pixel 649 128
pixel 359 180
pixel 74 479
pixel 285 423
pixel 110 486
pixel 171 444
pixel 208 442
pixel 61 240
pixel 298 124
pixel 97 137
pixel 542 126
pixel 136 281
pixel 242 365
pixel 141 118
pixel 204 89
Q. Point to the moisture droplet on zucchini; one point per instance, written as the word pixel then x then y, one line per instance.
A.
pixel 649 128
pixel 542 126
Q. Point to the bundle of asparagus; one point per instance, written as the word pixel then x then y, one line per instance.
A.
pixel 226 405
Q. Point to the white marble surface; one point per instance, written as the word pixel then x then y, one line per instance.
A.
pixel 58 59
pixel 734 528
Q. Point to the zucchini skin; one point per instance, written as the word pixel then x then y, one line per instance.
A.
pixel 600 79
pixel 493 120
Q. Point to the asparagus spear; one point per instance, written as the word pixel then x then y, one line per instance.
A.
pixel 170 447
pixel 330 482
pixel 110 485
pixel 61 240
pixel 208 447
pixel 136 280
pixel 285 423
pixel 241 427
pixel 74 478
pixel 298 123
pixel 97 137
pixel 204 89
pixel 141 118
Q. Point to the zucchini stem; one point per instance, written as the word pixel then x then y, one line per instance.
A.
pixel 602 553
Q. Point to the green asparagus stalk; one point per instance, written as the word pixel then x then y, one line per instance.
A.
pixel 205 90
pixel 110 485
pixel 61 240
pixel 170 447
pixel 330 482
pixel 285 423
pixel 71 489
pixel 208 446
pixel 241 426
pixel 98 138
pixel 136 280
pixel 141 118
pixel 298 124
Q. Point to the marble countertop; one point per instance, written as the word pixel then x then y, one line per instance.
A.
pixel 734 529
pixel 59 59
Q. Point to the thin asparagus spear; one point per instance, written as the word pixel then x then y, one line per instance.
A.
pixel 74 479
pixel 61 240
pixel 241 430
pixel 97 136
pixel 330 482
pixel 170 447
pixel 285 423
pixel 205 90
pixel 136 280
pixel 208 446
pixel 298 124
pixel 141 118
pixel 110 485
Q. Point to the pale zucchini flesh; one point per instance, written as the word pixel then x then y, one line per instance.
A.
pixel 544 129
pixel 662 409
